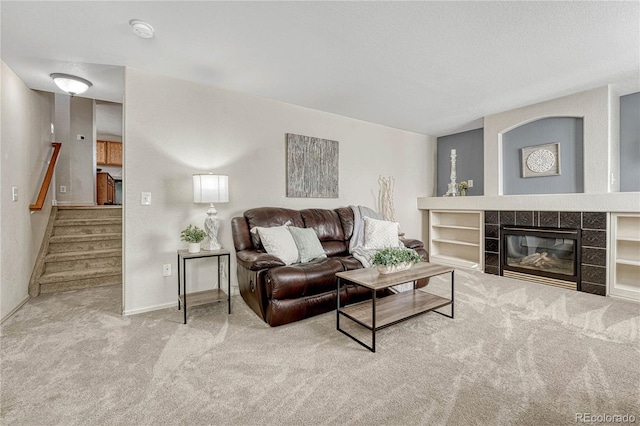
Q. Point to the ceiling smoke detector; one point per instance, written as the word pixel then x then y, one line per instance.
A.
pixel 141 28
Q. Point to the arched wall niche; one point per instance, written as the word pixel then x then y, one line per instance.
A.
pixel 567 132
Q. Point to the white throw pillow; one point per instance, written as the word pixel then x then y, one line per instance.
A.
pixel 278 241
pixel 379 234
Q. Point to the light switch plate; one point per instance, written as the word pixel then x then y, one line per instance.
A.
pixel 145 199
pixel 470 183
pixel 14 193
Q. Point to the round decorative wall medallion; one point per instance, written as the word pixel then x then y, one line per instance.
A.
pixel 541 160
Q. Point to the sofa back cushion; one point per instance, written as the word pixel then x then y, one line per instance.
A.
pixel 327 225
pixel 267 217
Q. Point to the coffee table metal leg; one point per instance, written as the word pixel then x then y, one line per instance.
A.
pixel 452 293
pixel 452 299
pixel 373 321
pixel 338 306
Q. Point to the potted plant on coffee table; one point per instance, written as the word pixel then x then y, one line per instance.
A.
pixel 394 259
pixel 194 236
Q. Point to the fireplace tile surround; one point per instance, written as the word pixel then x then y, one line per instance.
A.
pixel 594 238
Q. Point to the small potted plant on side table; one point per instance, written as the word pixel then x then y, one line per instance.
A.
pixel 194 236
pixel 394 259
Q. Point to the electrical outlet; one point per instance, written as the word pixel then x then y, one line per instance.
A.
pixel 166 270
pixel 145 199
pixel 470 182
pixel 63 189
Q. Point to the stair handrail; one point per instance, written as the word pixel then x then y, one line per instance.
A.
pixel 46 182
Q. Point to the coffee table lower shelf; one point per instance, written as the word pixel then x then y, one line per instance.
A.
pixel 393 309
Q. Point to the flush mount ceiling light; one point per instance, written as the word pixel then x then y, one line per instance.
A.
pixel 70 83
pixel 141 28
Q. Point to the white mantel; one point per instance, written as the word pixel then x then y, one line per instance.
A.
pixel 599 108
pixel 621 202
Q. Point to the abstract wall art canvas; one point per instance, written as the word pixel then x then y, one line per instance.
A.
pixel 312 167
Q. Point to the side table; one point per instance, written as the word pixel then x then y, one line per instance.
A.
pixel 207 296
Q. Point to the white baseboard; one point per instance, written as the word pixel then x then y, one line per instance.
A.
pixel 14 310
pixel 163 306
pixel 151 308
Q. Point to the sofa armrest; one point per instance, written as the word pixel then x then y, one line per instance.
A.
pixel 255 260
pixel 411 243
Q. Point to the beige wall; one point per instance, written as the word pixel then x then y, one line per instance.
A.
pixel 175 128
pixel 75 116
pixel 25 151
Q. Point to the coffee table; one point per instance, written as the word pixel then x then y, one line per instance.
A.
pixel 379 313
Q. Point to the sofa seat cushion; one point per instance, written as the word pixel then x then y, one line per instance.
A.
pixel 302 279
pixel 349 262
pixel 284 311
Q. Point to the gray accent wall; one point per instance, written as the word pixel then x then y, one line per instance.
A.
pixel 469 148
pixel 630 142
pixel 568 132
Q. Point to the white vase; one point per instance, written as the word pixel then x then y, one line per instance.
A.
pixel 384 269
pixel 194 247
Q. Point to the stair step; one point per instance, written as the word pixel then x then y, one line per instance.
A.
pixel 89 212
pixel 88 229
pixel 78 255
pixel 89 221
pixel 56 287
pixel 76 243
pixel 85 263
pixel 85 274
pixel 56 239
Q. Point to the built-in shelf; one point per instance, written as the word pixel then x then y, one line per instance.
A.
pixel 455 238
pixel 624 279
pixel 462 243
pixel 628 262
pixel 453 261
pixel 455 227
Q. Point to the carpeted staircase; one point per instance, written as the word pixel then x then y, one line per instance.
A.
pixel 82 248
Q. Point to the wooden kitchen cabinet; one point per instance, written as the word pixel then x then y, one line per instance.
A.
pixel 105 189
pixel 108 153
pixel 101 152
pixel 114 153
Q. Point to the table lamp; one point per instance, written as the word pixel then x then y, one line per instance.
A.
pixel 210 188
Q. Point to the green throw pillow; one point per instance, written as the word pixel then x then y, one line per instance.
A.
pixel 308 244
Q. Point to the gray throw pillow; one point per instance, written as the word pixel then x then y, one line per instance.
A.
pixel 309 246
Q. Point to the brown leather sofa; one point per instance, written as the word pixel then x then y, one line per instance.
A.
pixel 281 294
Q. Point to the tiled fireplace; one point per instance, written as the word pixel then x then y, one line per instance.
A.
pixel 590 229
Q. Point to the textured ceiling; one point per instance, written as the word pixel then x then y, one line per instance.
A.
pixel 428 67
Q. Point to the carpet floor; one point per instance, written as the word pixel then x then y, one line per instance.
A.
pixel 517 353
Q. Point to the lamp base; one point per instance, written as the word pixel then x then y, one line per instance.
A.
pixel 211 227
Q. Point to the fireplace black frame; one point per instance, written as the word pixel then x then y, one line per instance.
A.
pixel 566 233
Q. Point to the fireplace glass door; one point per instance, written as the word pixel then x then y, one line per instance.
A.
pixel 555 255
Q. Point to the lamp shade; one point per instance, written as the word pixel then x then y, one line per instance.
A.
pixel 70 83
pixel 210 188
